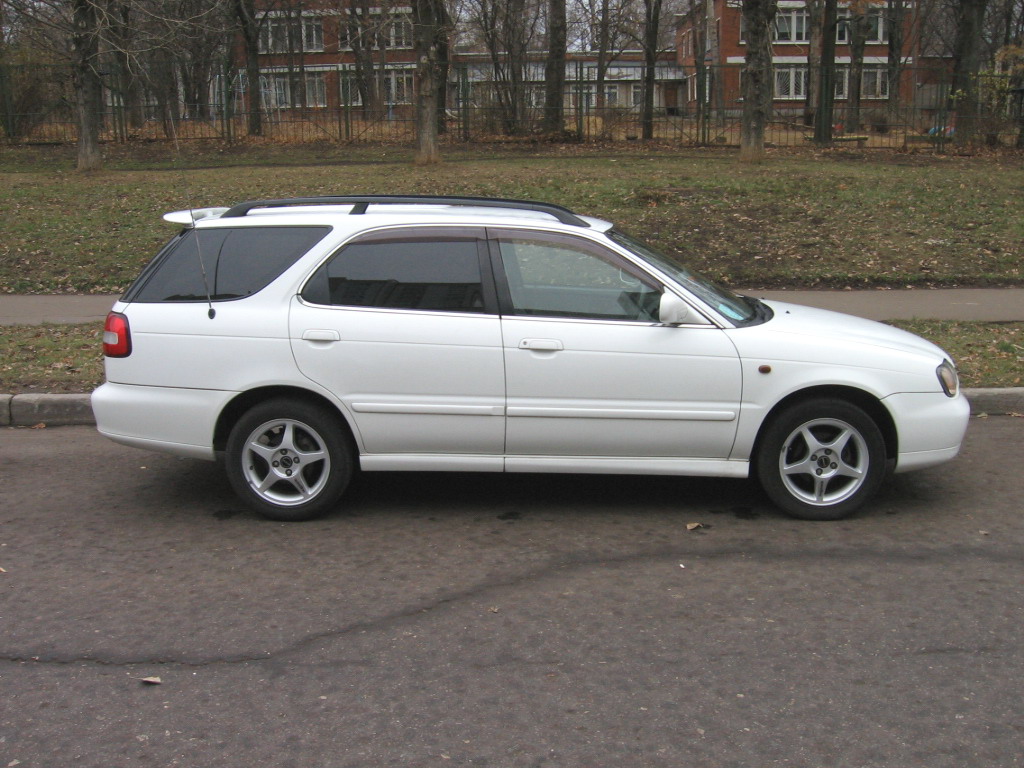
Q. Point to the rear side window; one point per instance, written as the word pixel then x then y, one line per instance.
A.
pixel 236 262
pixel 437 271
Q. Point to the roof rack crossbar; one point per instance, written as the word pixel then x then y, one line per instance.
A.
pixel 360 203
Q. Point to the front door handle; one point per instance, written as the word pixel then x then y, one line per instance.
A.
pixel 316 334
pixel 541 345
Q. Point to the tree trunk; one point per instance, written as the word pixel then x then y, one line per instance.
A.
pixel 249 27
pixel 758 16
pixel 896 11
pixel 826 77
pixel 652 24
pixel 815 19
pixel 966 62
pixel 87 85
pixel 603 49
pixel 858 39
pixel 428 33
pixel 554 68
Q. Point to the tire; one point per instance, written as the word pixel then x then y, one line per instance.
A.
pixel 289 460
pixel 821 459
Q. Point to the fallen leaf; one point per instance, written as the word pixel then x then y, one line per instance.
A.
pixel 695 526
pixel 150 680
pixel 40 425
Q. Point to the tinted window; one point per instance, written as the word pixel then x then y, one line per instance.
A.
pixel 236 262
pixel 434 273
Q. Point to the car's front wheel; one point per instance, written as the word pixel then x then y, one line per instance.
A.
pixel 290 460
pixel 821 459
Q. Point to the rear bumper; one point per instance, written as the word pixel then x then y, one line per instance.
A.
pixel 165 419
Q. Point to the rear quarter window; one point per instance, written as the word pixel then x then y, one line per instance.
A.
pixel 223 263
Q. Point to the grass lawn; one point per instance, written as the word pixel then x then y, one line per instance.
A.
pixel 802 219
pixel 68 358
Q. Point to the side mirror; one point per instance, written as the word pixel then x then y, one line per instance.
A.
pixel 672 310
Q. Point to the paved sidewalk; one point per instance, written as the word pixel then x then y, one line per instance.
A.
pixel 979 304
pixel 984 304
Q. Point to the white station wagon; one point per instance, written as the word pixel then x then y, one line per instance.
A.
pixel 303 339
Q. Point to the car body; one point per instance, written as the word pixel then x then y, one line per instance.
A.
pixel 303 339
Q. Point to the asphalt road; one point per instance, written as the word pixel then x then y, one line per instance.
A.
pixel 505 620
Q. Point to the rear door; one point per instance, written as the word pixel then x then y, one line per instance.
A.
pixel 401 325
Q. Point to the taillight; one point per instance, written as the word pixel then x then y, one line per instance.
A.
pixel 117 336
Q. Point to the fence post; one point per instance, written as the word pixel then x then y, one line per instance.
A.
pixel 464 93
pixel 579 100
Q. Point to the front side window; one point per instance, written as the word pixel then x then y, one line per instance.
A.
pixel 566 278
pixel 723 300
pixel 438 271
pixel 223 263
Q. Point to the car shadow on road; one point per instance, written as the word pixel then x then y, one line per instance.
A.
pixel 514 496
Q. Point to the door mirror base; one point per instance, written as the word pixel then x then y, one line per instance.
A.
pixel 672 310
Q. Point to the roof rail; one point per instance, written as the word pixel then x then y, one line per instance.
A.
pixel 359 204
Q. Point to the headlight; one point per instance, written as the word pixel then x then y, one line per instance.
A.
pixel 948 378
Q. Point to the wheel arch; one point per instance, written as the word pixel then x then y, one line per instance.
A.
pixel 234 410
pixel 867 402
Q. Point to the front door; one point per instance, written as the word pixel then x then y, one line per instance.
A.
pixel 589 370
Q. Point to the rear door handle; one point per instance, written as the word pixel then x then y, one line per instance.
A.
pixel 316 334
pixel 541 345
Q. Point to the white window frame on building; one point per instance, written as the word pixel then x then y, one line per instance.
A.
pixel 874 82
pixel 878 33
pixel 790 82
pixel 398 86
pixel 305 34
pixel 398 33
pixel 277 89
pixel 791 26
pixel 348 89
pixel 316 89
pixel 395 31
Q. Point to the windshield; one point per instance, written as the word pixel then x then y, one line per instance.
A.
pixel 728 304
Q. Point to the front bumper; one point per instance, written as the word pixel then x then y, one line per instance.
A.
pixel 931 428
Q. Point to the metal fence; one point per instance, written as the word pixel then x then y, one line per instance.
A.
pixel 703 109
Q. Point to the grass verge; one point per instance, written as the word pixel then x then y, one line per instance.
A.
pixel 801 219
pixel 68 358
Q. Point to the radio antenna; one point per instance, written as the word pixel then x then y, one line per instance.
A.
pixel 210 312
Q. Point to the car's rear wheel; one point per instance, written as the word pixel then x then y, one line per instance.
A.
pixel 821 459
pixel 290 460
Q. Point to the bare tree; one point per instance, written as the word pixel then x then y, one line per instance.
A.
pixel 815 18
pixel 607 27
pixel 431 28
pixel 895 23
pixel 361 31
pixel 506 28
pixel 249 28
pixel 826 76
pixel 858 26
pixel 967 52
pixel 649 42
pixel 554 67
pixel 759 18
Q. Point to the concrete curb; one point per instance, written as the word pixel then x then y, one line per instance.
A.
pixel 68 410
pixel 51 410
